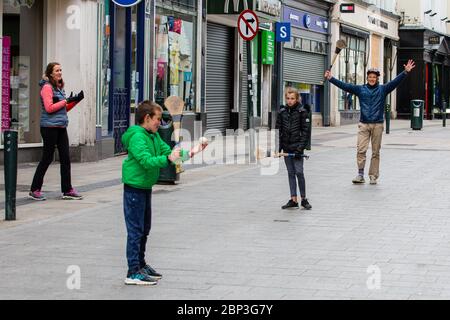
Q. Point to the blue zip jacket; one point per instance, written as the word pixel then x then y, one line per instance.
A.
pixel 371 98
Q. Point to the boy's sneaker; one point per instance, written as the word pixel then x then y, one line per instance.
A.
pixel 359 180
pixel 140 278
pixel 36 195
pixel 305 204
pixel 151 272
pixel 72 195
pixel 373 180
pixel 290 205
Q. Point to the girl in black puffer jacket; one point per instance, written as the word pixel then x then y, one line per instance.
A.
pixel 293 124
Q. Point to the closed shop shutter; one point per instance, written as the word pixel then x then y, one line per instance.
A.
pixel 219 76
pixel 303 67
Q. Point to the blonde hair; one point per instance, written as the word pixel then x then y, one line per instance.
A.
pixel 291 90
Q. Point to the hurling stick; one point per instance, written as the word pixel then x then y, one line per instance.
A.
pixel 175 106
pixel 340 45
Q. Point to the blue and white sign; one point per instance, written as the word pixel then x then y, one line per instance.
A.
pixel 126 3
pixel 283 31
pixel 305 20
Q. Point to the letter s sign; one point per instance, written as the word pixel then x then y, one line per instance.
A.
pixel 283 31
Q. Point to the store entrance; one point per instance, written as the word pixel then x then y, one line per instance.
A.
pixel 127 70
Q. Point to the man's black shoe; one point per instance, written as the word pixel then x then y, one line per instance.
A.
pixel 306 205
pixel 290 205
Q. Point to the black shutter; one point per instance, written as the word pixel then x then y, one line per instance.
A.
pixel 219 76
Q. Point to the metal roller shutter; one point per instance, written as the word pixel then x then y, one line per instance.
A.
pixel 219 76
pixel 303 67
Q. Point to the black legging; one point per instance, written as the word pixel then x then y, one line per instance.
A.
pixel 54 137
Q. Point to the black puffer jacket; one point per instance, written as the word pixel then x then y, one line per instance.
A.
pixel 293 125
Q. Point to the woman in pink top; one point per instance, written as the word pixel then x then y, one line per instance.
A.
pixel 54 121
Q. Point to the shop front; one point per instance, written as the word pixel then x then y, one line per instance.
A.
pixel 226 91
pixel 371 35
pixel 306 56
pixel 431 52
pixel 175 56
pixel 23 24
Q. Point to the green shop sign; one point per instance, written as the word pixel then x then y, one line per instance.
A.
pixel 267 47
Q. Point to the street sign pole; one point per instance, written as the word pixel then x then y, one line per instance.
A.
pixel 248 26
pixel 250 117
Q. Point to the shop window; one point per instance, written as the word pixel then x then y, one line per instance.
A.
pixel 352 69
pixel 24 25
pixel 174 73
pixel 311 94
pixel 306 45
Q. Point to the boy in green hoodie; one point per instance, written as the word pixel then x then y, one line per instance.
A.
pixel 147 153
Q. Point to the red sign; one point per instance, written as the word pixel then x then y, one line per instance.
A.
pixel 347 8
pixel 248 25
pixel 6 78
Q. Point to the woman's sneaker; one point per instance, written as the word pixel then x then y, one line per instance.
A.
pixel 36 195
pixel 290 205
pixel 151 272
pixel 140 278
pixel 305 204
pixel 72 195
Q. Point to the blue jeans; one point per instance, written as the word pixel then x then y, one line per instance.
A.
pixel 295 171
pixel 137 206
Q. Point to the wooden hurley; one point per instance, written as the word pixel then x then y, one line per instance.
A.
pixel 175 106
pixel 340 44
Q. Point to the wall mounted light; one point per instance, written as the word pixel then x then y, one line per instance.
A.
pixel 428 11
pixel 432 15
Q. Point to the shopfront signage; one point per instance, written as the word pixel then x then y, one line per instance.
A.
pixel 126 3
pixel 6 74
pixel 378 22
pixel 434 40
pixel 347 8
pixel 305 20
pixel 283 31
pixel 272 7
pixel 267 47
pixel 230 6
pixel 248 25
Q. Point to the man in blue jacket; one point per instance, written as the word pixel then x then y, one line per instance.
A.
pixel 372 98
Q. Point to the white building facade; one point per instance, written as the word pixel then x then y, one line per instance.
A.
pixel 371 34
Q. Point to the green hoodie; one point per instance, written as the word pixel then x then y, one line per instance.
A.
pixel 147 153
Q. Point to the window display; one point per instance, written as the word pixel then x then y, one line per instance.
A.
pixel 25 67
pixel 174 73
pixel 352 66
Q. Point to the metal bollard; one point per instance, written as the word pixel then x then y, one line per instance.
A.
pixel 387 111
pixel 10 155
pixel 444 113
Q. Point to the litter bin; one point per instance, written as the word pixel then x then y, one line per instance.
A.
pixel 417 114
pixel 167 175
